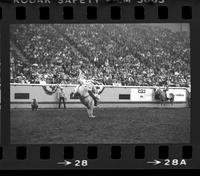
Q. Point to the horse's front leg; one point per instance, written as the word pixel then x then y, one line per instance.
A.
pixel 76 89
pixel 163 103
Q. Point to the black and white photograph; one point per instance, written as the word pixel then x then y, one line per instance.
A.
pixel 100 83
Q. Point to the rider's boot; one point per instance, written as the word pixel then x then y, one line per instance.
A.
pixel 95 98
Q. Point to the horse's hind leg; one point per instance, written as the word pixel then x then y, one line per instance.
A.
pixel 90 112
pixel 90 109
pixel 161 103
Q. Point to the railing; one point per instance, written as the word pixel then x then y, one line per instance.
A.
pixel 108 86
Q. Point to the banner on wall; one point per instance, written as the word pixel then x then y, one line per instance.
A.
pixel 49 90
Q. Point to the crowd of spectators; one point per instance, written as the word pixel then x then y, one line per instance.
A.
pixel 114 54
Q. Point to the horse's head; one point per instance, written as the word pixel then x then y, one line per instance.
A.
pixel 156 89
pixel 164 90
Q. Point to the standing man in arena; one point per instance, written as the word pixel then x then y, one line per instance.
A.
pixel 61 96
pixel 166 87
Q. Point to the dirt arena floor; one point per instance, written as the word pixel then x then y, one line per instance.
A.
pixel 111 125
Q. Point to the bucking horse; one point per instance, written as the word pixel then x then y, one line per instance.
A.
pixel 89 95
pixel 161 95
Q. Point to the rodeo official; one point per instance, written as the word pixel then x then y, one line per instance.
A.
pixel 61 96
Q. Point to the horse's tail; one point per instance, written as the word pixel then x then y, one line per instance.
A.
pixel 101 90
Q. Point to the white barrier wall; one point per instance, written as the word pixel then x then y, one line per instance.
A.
pixel 21 96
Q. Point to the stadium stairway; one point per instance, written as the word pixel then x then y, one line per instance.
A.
pixel 71 43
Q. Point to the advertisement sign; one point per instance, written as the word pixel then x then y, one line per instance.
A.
pixel 141 94
pixel 179 94
pixel 147 94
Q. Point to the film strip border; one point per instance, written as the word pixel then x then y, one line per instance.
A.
pixel 92 152
pixel 51 153
pixel 115 13
pixel 92 156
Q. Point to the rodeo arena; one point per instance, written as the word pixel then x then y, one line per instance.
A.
pixel 100 83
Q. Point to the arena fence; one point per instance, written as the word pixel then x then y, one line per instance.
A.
pixel 21 96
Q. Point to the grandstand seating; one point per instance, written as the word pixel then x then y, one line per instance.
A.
pixel 125 54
